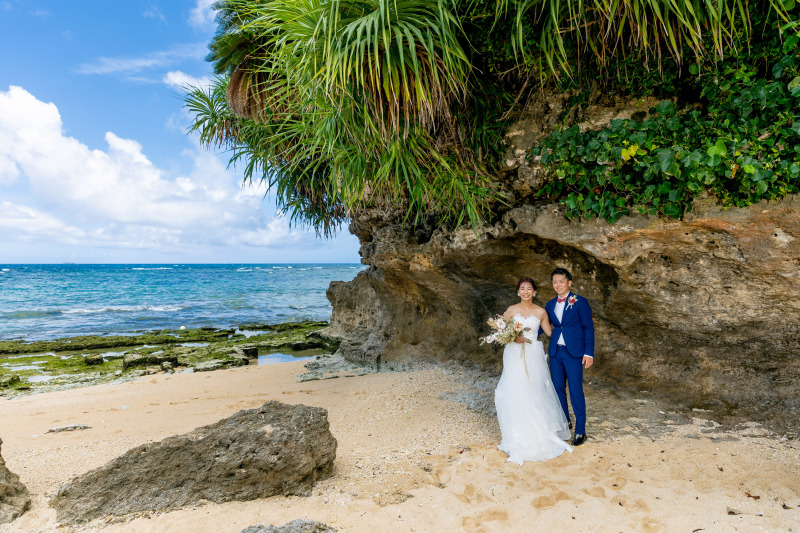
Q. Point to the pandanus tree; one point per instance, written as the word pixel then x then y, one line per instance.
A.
pixel 341 105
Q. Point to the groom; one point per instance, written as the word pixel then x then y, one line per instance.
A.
pixel 571 347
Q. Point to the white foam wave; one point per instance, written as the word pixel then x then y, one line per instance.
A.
pixel 298 306
pixel 122 309
pixel 151 268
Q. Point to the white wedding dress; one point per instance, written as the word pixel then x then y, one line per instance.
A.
pixel 531 419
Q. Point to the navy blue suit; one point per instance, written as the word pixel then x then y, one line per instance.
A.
pixel 566 362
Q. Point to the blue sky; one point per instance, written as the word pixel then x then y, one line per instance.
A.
pixel 95 164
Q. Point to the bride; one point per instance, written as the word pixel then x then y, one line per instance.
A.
pixel 531 419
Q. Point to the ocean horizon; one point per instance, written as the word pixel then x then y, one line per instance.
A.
pixel 55 300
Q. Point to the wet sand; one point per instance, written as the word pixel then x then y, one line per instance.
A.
pixel 410 461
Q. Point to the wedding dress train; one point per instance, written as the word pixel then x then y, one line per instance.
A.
pixel 531 419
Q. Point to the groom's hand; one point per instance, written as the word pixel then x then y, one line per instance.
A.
pixel 587 361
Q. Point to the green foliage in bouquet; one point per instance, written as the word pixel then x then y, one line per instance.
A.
pixel 742 145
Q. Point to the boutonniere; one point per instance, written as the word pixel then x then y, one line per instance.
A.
pixel 571 300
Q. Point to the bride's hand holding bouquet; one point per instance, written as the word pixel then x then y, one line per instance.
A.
pixel 505 331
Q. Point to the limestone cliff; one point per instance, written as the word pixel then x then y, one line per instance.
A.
pixel 705 309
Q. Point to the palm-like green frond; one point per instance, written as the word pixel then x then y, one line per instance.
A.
pixel 344 104
pixel 654 28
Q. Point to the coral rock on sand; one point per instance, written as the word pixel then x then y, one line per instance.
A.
pixel 72 427
pixel 14 498
pixel 140 359
pixel 256 453
pixel 302 525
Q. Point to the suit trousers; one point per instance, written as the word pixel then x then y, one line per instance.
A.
pixel 568 371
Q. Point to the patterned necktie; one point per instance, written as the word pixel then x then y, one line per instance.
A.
pixel 561 300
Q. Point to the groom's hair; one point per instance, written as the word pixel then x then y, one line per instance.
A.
pixel 523 280
pixel 561 272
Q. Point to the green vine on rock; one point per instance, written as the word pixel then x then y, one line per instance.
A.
pixel 742 146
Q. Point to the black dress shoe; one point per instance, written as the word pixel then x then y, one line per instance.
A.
pixel 578 440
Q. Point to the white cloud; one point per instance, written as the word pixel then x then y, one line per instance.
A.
pixel 201 16
pixel 9 172
pixel 28 222
pixel 117 196
pixel 132 65
pixel 154 12
pixel 180 80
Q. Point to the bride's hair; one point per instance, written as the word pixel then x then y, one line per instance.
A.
pixel 523 280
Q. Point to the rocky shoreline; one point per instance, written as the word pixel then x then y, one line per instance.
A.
pixel 44 366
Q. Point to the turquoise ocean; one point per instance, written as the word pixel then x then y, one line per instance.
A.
pixel 42 302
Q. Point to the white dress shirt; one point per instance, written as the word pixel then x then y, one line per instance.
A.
pixel 559 310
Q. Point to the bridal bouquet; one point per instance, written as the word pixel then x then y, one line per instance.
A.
pixel 505 331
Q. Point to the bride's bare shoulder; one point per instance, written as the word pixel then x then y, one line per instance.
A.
pixel 540 312
pixel 511 311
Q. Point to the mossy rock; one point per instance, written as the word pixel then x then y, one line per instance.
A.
pixel 146 359
pixel 8 380
pixel 93 359
pixel 218 364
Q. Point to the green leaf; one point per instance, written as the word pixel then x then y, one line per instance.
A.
pixel 673 210
pixel 761 187
pixel 664 107
pixel 750 169
pixel 718 149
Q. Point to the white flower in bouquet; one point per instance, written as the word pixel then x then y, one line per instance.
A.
pixel 504 332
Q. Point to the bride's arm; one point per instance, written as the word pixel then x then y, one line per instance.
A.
pixel 545 324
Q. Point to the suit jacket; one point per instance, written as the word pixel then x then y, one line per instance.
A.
pixel 576 325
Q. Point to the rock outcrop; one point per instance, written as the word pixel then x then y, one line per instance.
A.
pixel 14 497
pixel 704 309
pixel 275 449
pixel 135 359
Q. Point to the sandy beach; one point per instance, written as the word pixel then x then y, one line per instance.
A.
pixel 410 461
